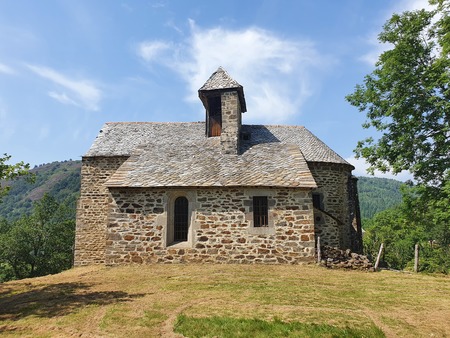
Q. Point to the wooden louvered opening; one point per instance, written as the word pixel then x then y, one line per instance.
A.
pixel 214 116
pixel 181 219
pixel 260 211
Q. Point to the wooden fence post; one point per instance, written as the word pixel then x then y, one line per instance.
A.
pixel 378 257
pixel 319 253
pixel 416 257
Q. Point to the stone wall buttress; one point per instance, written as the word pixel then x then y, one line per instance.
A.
pixel 333 186
pixel 92 209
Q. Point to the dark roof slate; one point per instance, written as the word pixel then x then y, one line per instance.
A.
pixel 200 164
pixel 122 138
pixel 220 79
pixel 178 154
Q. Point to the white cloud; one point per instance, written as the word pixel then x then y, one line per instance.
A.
pixel 411 5
pixel 150 51
pixel 83 92
pixel 377 48
pixel 63 98
pixel 158 5
pixel 278 74
pixel 171 24
pixel 6 69
pixel 361 170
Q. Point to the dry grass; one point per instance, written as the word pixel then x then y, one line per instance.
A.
pixel 144 301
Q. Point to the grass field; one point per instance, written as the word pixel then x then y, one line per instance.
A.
pixel 225 301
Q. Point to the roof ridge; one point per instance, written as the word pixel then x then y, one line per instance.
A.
pixel 276 125
pixel 155 122
pixel 220 79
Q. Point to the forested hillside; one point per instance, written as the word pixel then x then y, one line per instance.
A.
pixel 62 181
pixel 59 179
pixel 386 219
pixel 377 194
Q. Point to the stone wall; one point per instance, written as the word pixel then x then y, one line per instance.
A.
pixel 231 122
pixel 92 209
pixel 333 225
pixel 131 225
pixel 355 216
pixel 221 226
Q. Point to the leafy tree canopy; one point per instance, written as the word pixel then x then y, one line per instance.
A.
pixel 10 171
pixel 422 218
pixel 39 244
pixel 407 97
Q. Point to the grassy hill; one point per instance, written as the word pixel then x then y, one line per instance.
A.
pixel 62 180
pixel 377 194
pixel 225 301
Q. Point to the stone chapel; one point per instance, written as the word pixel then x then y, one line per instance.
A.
pixel 217 191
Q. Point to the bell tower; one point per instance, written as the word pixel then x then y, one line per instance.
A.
pixel 224 101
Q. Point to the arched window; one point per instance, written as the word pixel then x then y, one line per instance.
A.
pixel 181 219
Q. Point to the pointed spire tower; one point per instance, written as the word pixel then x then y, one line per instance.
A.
pixel 224 101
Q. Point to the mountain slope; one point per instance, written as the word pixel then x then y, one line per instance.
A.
pixel 60 179
pixel 377 194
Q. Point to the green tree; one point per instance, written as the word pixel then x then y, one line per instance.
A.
pixel 423 217
pixel 10 171
pixel 39 244
pixel 407 97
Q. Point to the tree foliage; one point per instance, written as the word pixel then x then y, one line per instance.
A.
pixel 10 172
pixel 423 217
pixel 407 97
pixel 39 244
pixel 59 179
pixel 377 194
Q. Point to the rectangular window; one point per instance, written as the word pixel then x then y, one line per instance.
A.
pixel 317 201
pixel 214 116
pixel 260 211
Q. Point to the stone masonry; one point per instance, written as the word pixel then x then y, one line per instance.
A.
pixel 231 115
pixel 185 191
pixel 332 224
pixel 92 209
pixel 221 229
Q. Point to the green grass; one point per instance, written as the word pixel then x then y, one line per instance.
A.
pixel 202 300
pixel 226 327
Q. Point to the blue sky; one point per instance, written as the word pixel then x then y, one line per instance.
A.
pixel 67 67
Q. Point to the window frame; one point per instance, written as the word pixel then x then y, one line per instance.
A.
pixel 180 219
pixel 169 219
pixel 214 116
pixel 260 211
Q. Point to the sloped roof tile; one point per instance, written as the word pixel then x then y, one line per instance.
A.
pixel 220 79
pixel 200 164
pixel 122 138
pixel 179 154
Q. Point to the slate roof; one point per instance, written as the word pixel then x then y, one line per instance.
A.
pixel 220 80
pixel 179 154
pixel 122 138
pixel 200 164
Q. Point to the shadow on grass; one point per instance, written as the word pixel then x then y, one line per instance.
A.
pixel 56 300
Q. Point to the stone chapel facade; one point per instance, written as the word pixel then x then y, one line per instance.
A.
pixel 213 191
